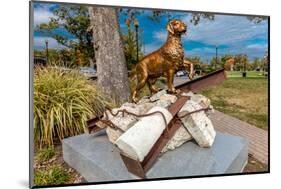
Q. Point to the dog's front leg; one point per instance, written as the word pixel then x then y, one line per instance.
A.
pixel 190 68
pixel 170 81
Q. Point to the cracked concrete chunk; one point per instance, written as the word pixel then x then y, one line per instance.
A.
pixel 126 122
pixel 181 136
pixel 137 141
pixel 113 134
pixel 157 95
pixel 169 97
pixel 198 124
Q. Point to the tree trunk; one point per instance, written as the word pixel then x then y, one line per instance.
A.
pixel 93 63
pixel 110 59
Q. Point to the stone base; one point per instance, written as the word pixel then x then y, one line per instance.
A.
pixel 97 160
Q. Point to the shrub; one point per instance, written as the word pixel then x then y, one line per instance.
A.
pixel 52 176
pixel 63 101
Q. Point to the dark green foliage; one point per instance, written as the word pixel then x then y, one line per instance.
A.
pixel 130 45
pixel 75 20
pixel 257 19
pixel 241 61
pixel 156 15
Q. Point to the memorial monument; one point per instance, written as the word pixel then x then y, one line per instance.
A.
pixel 168 134
pixel 161 136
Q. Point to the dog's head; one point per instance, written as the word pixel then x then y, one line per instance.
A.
pixel 176 27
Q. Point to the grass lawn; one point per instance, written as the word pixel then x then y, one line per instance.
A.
pixel 243 98
pixel 250 74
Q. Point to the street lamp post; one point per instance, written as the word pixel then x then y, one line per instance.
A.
pixel 264 64
pixel 136 23
pixel 216 57
pixel 47 51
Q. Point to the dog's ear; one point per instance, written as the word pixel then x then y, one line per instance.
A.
pixel 170 28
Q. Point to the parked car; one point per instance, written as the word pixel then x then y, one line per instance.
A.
pixel 89 72
pixel 181 73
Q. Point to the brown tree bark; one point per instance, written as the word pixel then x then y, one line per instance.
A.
pixel 110 59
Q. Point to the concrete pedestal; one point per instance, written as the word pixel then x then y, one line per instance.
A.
pixel 97 160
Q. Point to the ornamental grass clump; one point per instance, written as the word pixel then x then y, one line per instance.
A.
pixel 54 175
pixel 63 102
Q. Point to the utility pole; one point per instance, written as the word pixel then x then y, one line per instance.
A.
pixel 136 23
pixel 47 52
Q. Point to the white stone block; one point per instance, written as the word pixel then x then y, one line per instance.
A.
pixel 198 124
pixel 137 141
pixel 157 95
pixel 113 134
pixel 169 97
pixel 200 99
pixel 162 103
pixel 204 102
pixel 165 100
pixel 181 136
pixel 126 121
pixel 190 94
pixel 144 100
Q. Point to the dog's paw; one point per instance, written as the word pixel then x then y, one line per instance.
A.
pixel 174 91
pixel 135 100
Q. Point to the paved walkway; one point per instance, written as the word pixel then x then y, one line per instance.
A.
pixel 258 138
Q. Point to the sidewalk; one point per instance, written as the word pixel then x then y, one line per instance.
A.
pixel 257 137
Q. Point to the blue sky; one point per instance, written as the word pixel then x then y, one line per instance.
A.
pixel 232 34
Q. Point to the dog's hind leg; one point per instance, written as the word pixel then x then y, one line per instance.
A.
pixel 142 78
pixel 152 87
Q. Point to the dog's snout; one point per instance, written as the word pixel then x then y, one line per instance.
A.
pixel 184 29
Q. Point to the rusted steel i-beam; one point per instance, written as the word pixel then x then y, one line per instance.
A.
pixel 91 125
pixel 200 83
pixel 166 135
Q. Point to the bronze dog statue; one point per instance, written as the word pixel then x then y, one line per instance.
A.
pixel 165 61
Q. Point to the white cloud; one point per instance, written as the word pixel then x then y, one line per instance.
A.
pixel 257 46
pixel 207 53
pixel 225 30
pixel 151 47
pixel 205 50
pixel 42 14
pixel 160 35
